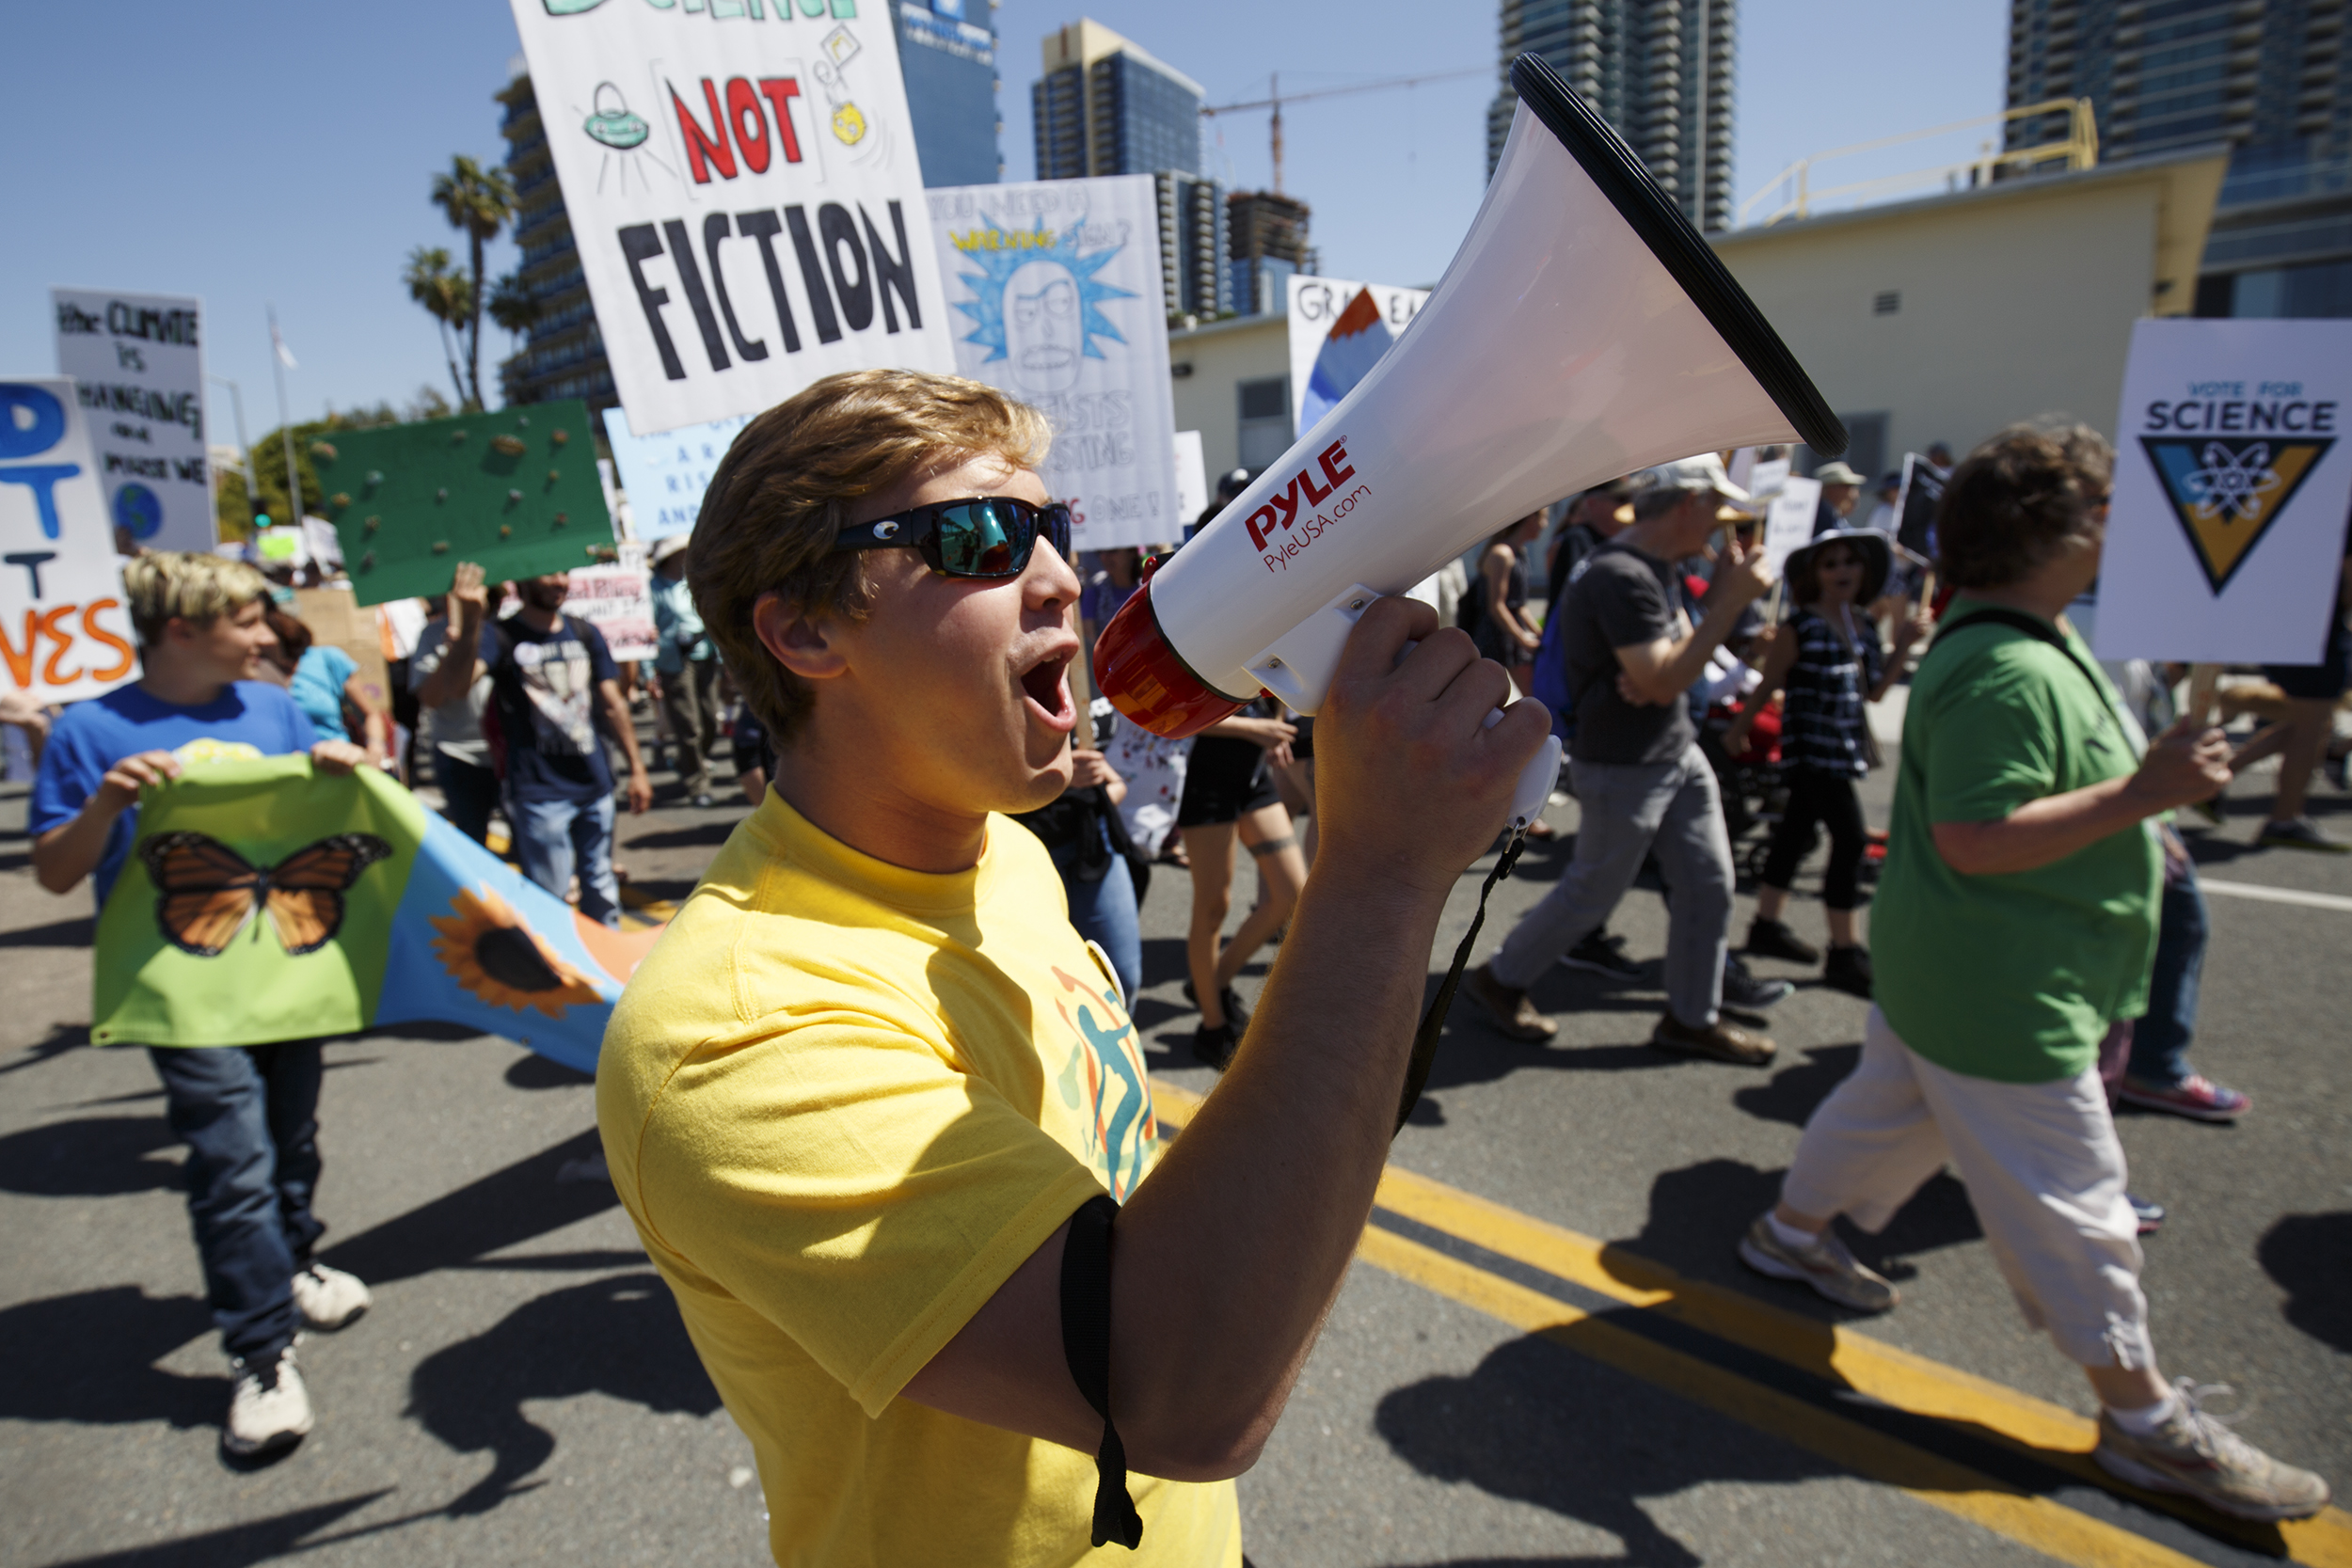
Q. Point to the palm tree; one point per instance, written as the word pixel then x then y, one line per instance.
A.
pixel 479 201
pixel 447 297
pixel 513 306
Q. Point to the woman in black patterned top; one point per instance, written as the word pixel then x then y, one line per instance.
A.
pixel 1828 663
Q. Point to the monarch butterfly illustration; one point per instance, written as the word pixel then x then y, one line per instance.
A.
pixel 206 893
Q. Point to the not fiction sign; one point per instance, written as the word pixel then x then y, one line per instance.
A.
pixel 2227 531
pixel 742 184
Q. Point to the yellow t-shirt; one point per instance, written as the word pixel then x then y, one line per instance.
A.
pixel 844 1101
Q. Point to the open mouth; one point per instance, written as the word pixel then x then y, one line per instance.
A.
pixel 1046 684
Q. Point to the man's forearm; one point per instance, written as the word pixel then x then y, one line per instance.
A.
pixel 1230 1255
pixel 616 715
pixel 1688 663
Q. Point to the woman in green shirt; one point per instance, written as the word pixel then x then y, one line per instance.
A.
pixel 2015 922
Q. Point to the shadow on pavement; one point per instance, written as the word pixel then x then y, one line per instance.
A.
pixel 94 1157
pixel 62 1038
pixel 702 835
pixel 492 1213
pixel 1792 1094
pixel 619 1336
pixel 60 933
pixel 1526 1425
pixel 95 1360
pixel 1698 1213
pixel 234 1545
pixel 2310 1257
pixel 537 1072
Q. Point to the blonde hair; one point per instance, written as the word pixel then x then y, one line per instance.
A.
pixel 166 585
pixel 789 484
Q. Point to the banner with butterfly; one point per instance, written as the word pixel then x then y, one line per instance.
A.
pixel 266 902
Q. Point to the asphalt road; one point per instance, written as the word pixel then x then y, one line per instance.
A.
pixel 1549 1356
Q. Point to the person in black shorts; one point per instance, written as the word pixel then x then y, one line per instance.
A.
pixel 1229 794
pixel 2301 738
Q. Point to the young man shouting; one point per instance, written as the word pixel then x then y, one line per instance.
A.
pixel 854 1097
pixel 248 1114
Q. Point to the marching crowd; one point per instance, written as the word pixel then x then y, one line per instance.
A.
pixel 870 1021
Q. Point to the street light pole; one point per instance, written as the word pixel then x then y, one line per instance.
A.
pixel 285 427
pixel 237 400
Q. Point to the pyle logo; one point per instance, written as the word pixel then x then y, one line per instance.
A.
pixel 1283 508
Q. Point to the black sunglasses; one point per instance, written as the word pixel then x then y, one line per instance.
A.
pixel 987 536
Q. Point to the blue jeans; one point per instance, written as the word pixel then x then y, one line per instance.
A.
pixel 1104 912
pixel 471 792
pixel 249 1116
pixel 552 838
pixel 2160 1040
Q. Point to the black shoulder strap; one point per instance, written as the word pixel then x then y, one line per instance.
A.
pixel 1086 1343
pixel 2040 630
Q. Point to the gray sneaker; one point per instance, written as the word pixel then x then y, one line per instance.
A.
pixel 268 1409
pixel 1826 1265
pixel 2197 1455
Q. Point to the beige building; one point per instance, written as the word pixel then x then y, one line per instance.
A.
pixel 1944 319
pixel 1935 320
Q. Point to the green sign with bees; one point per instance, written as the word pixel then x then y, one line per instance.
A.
pixel 515 490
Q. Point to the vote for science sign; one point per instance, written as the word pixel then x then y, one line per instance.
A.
pixel 2226 535
pixel 742 186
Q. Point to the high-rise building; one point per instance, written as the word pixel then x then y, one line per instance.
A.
pixel 2163 75
pixel 1659 71
pixel 1194 245
pixel 1106 106
pixel 948 54
pixel 1269 243
pixel 563 353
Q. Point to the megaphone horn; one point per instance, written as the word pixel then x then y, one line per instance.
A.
pixel 1584 330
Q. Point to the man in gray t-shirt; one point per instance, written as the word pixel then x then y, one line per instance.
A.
pixel 1641 784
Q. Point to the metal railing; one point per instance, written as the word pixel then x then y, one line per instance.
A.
pixel 2080 149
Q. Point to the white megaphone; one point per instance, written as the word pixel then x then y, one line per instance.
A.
pixel 1583 331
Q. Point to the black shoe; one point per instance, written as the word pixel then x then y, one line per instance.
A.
pixel 1772 938
pixel 1743 990
pixel 1849 970
pixel 1215 1046
pixel 1602 954
pixel 1236 1016
pixel 2149 1214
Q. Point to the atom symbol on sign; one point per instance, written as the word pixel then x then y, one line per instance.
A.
pixel 2230 482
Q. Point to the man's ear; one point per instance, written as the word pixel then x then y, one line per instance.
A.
pixel 801 645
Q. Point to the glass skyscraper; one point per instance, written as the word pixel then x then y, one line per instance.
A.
pixel 2169 75
pixel 948 54
pixel 1106 106
pixel 1659 70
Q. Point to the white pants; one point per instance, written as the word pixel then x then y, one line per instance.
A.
pixel 2043 1170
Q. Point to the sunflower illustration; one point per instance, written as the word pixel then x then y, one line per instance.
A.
pixel 486 948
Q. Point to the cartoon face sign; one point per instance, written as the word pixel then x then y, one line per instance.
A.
pixel 1042 327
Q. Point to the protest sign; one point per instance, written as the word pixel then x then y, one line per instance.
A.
pixel 617 600
pixel 742 181
pixel 1789 519
pixel 1057 291
pixel 1915 505
pixel 2226 534
pixel 664 476
pixel 515 490
pixel 64 632
pixel 1337 331
pixel 1766 478
pixel 137 366
pixel 395 916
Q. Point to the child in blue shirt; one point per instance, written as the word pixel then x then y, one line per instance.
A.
pixel 247 1113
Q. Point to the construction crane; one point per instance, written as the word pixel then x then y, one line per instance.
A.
pixel 1274 101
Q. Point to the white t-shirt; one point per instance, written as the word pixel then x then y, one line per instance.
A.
pixel 454 727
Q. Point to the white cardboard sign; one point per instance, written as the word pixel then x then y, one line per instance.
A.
pixel 1192 482
pixel 742 187
pixel 138 364
pixel 2232 477
pixel 1789 519
pixel 1057 291
pixel 1337 331
pixel 618 601
pixel 665 475
pixel 64 632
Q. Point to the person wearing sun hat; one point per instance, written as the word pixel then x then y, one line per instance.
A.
pixel 1840 489
pixel 1828 663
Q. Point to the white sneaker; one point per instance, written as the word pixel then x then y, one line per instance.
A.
pixel 270 1408
pixel 329 1298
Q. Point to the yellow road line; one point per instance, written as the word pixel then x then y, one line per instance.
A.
pixel 2056 1435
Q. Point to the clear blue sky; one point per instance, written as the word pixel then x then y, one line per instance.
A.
pixel 276 151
